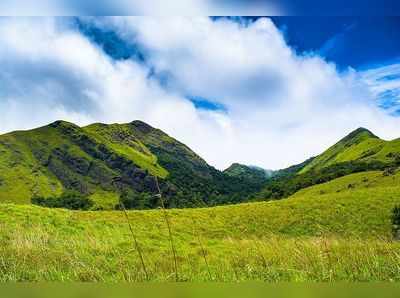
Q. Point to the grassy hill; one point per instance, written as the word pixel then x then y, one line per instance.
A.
pixel 360 151
pixel 106 162
pixel 339 230
pixel 361 145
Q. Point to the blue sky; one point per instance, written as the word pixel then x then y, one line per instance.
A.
pixel 362 43
pixel 359 42
pixel 265 91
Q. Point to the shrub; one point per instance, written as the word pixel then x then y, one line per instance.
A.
pixel 396 222
pixel 389 171
pixel 135 200
pixel 68 200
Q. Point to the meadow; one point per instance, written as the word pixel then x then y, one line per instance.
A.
pixel 337 231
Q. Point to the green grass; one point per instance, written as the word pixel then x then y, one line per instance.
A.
pixel 104 200
pixel 120 139
pixel 329 232
pixel 21 175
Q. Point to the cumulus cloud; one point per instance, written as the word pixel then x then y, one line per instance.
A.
pixel 279 107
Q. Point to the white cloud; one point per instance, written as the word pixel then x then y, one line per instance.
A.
pixel 384 83
pixel 281 107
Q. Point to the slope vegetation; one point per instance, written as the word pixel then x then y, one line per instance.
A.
pixel 106 162
pixel 361 145
pixel 360 151
pixel 340 230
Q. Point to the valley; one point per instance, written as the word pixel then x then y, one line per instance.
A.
pixel 327 219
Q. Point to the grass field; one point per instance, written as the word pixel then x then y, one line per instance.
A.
pixel 329 232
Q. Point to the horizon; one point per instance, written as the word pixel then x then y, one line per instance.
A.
pixel 235 90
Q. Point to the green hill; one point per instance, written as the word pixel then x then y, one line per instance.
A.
pixel 340 230
pixel 361 145
pixel 114 163
pixel 106 162
pixel 360 151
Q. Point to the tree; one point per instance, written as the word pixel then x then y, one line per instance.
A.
pixel 68 200
pixel 137 200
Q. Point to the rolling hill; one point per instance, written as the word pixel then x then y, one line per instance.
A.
pixel 105 162
pixel 336 231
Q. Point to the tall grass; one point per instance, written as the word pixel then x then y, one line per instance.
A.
pixel 135 241
pixel 166 218
pixel 38 255
pixel 343 235
pixel 200 242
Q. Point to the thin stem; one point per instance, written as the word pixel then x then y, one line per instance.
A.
pixel 171 240
pixel 202 247
pixel 136 243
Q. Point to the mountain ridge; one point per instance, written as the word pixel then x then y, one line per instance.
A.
pixel 108 162
pixel 114 163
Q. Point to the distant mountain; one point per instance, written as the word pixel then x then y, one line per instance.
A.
pixel 248 172
pixel 109 162
pixel 268 173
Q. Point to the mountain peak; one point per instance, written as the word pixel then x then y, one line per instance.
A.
pixel 363 130
pixel 62 123
pixel 360 133
pixel 142 126
pixel 347 149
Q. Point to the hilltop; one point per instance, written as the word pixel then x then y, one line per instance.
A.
pixel 362 146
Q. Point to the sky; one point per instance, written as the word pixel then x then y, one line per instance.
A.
pixel 262 91
pixel 199 7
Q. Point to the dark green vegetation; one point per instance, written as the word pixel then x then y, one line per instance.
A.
pixel 336 231
pixel 68 200
pixel 360 151
pixel 396 222
pixel 106 162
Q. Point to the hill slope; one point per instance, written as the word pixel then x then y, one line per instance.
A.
pixel 104 162
pixel 242 242
pixel 361 145
pixel 360 151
